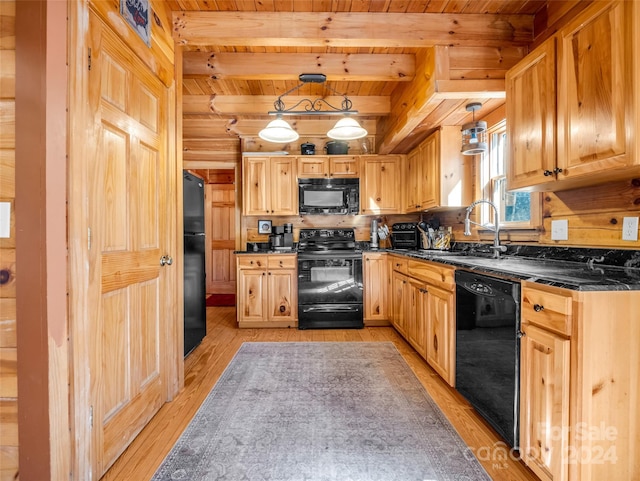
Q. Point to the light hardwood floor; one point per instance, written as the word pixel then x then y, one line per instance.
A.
pixel 206 363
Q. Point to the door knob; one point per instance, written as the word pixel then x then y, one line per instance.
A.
pixel 166 261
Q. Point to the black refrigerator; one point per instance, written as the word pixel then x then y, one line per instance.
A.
pixel 195 310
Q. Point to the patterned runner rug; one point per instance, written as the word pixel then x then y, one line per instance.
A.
pixel 322 411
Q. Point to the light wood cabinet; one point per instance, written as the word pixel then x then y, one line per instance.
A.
pixel 376 285
pixel 400 293
pixel 417 315
pixel 544 381
pixel 593 62
pixel 423 300
pixel 437 174
pixel 269 186
pixel 578 415
pixel 440 334
pixel 380 184
pixel 267 290
pixel 531 117
pixel 326 166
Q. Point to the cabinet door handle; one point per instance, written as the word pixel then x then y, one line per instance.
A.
pixel 547 173
pixel 538 307
pixel 521 334
pixel 557 170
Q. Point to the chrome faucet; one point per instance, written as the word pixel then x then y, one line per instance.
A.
pixel 497 248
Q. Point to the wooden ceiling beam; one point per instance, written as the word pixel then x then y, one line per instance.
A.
pixel 413 102
pixel 350 29
pixel 288 66
pixel 260 105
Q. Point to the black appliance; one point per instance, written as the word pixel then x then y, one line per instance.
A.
pixel 195 317
pixel 281 237
pixel 329 280
pixel 329 196
pixel 404 235
pixel 488 349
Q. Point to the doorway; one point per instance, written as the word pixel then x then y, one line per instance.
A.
pixel 220 235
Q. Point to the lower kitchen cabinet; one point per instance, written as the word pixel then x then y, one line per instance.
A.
pixel 440 335
pixel 579 384
pixel 423 300
pixel 376 285
pixel 267 290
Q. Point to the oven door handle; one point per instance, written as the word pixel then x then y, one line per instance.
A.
pixel 330 309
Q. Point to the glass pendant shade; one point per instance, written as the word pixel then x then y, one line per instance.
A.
pixel 279 131
pixel 474 138
pixel 347 129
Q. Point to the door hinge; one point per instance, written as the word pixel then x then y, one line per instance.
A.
pixel 88 238
pixel 89 59
pixel 91 417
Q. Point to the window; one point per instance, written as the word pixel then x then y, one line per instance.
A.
pixel 518 210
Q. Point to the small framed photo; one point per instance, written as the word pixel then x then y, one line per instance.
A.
pixel 264 227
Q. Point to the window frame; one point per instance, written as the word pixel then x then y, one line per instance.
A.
pixel 487 181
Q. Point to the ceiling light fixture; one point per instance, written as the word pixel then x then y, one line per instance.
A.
pixel 280 131
pixel 474 133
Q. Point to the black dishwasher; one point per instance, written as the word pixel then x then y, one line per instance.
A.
pixel 488 349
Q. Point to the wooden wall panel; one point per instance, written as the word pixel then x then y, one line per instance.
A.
pixel 595 214
pixel 8 340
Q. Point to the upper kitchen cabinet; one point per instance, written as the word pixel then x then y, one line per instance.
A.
pixel 269 186
pixel 380 184
pixel 334 166
pixel 593 63
pixel 531 115
pixel 437 174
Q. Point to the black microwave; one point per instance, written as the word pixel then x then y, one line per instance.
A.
pixel 329 196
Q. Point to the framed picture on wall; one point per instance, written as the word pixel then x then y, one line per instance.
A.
pixel 136 14
pixel 264 227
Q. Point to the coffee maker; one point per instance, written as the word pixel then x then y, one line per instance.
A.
pixel 281 237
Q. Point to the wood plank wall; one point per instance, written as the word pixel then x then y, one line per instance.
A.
pixel 8 343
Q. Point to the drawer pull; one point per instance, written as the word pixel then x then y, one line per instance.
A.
pixel 538 307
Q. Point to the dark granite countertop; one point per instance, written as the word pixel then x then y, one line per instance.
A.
pixel 570 268
pixel 579 276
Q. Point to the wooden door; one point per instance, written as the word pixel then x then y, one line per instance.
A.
pixel 544 403
pixel 380 191
pixel 375 279
pixel 415 322
pixel 255 191
pixel 398 282
pixel 343 166
pixel 128 235
pixel 412 176
pixel 251 301
pixel 310 166
pixel 595 93
pixel 531 114
pixel 429 184
pixel 284 186
pixel 441 333
pixel 221 233
pixel 282 295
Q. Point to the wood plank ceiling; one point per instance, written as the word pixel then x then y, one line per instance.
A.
pixel 407 65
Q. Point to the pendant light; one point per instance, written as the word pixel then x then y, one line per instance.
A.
pixel 474 133
pixel 347 129
pixel 280 131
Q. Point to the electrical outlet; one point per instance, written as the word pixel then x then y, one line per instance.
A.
pixel 560 229
pixel 630 229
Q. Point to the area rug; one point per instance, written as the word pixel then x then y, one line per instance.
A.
pixel 320 411
pixel 221 300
